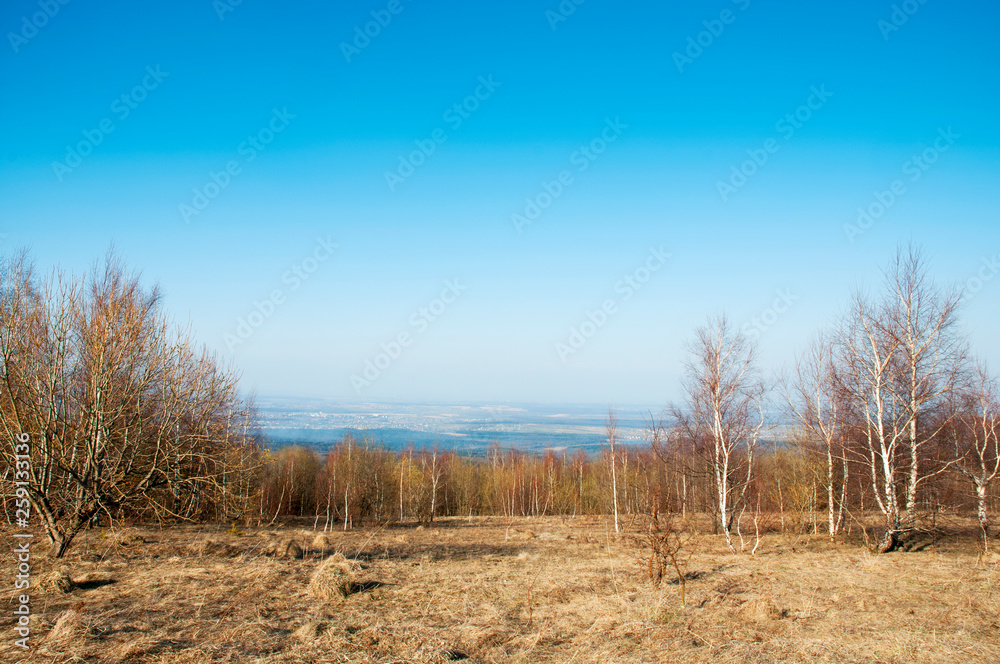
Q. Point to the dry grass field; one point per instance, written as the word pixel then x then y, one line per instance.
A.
pixel 495 590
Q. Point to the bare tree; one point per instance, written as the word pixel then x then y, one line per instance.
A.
pixel 433 466
pixel 611 429
pixel 724 412
pixel 123 412
pixel 901 358
pixel 923 321
pixel 670 543
pixel 868 356
pixel 814 397
pixel 977 440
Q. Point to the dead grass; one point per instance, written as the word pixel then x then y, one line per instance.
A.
pixel 496 591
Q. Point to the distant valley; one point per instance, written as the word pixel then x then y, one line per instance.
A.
pixel 464 428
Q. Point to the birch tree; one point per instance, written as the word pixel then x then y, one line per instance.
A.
pixel 814 398
pixel 923 321
pixel 977 441
pixel 902 358
pixel 724 411
pixel 869 357
pixel 611 430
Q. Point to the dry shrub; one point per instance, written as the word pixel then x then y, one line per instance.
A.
pixel 321 542
pixel 57 581
pixel 334 578
pixel 476 597
pixel 671 545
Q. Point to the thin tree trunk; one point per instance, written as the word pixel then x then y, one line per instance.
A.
pixel 831 509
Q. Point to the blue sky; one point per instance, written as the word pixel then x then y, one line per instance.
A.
pixel 620 100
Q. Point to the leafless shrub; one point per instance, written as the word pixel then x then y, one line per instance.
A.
pixel 671 544
pixel 724 413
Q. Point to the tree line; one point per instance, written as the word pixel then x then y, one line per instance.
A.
pixel 887 412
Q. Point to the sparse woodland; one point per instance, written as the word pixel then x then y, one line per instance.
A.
pixel 746 528
pixel 890 425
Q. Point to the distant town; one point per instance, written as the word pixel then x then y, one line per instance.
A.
pixel 470 428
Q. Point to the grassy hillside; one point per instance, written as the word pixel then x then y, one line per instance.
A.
pixel 496 590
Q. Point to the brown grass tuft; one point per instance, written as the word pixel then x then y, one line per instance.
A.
pixel 68 627
pixel 211 547
pixel 333 578
pixel 57 581
pixel 310 631
pixel 761 610
pixel 285 548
